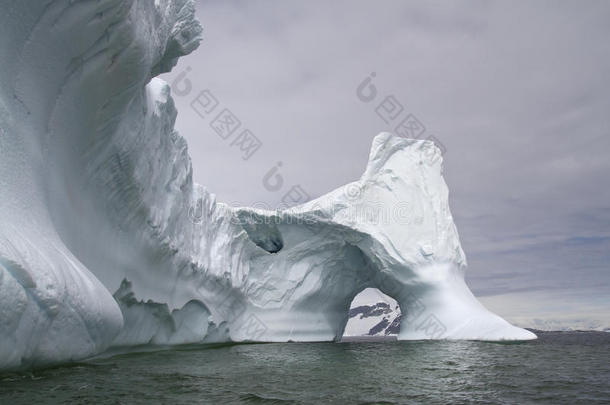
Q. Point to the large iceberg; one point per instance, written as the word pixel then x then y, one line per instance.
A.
pixel 105 239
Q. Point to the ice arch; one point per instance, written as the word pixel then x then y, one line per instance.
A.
pixel 96 188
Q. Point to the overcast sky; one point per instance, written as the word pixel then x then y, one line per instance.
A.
pixel 518 93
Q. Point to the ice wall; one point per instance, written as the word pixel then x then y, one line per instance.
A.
pixel 96 191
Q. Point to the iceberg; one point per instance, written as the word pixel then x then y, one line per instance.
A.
pixel 105 240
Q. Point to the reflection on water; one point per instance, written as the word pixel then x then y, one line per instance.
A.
pixel 559 368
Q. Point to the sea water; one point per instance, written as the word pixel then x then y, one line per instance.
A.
pixel 560 367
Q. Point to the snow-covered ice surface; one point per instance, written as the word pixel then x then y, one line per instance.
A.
pixel 97 197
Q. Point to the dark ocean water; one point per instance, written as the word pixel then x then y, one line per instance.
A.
pixel 561 367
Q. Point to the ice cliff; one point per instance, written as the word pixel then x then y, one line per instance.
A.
pixel 97 198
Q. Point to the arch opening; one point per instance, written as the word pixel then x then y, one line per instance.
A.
pixel 373 315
